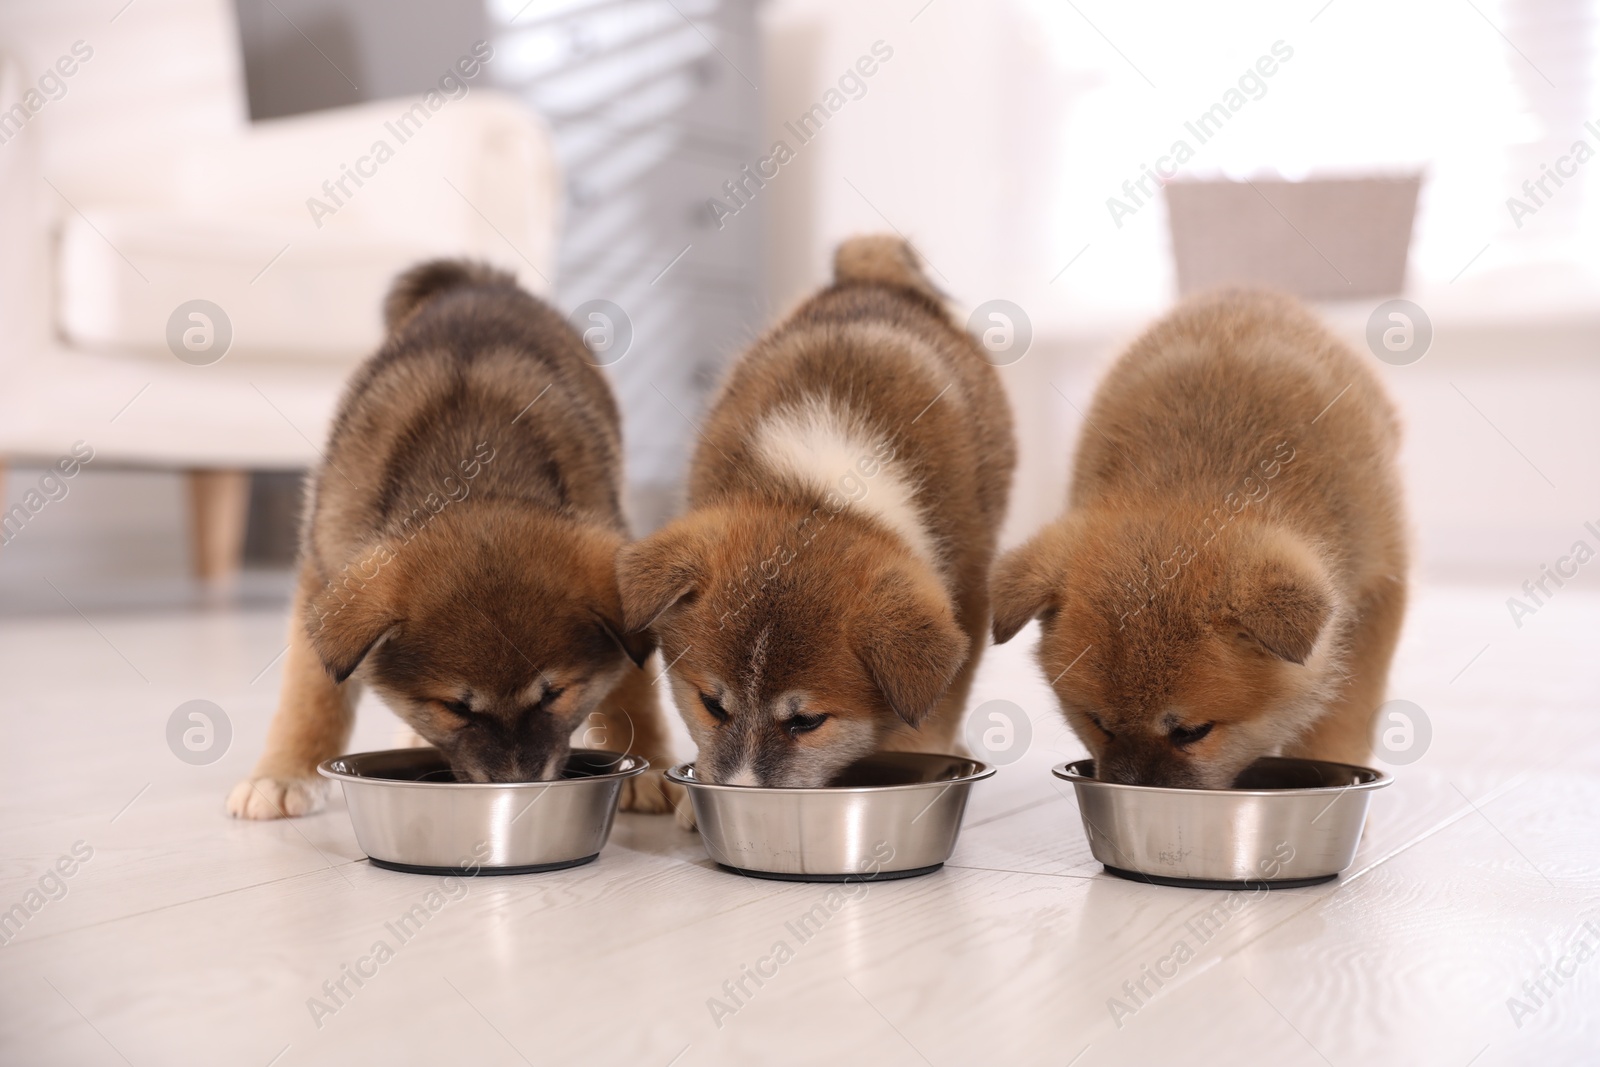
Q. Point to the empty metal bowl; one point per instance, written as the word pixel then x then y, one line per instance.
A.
pixel 890 815
pixel 1285 823
pixel 410 813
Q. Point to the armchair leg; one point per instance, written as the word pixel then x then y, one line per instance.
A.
pixel 219 504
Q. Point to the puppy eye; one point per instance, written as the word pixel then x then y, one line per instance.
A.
pixel 714 706
pixel 457 707
pixel 803 724
pixel 1188 735
pixel 550 697
pixel 1098 725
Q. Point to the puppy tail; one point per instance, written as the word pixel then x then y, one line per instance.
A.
pixel 425 281
pixel 879 259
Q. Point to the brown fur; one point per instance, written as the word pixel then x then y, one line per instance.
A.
pixel 785 596
pixel 1233 551
pixel 459 553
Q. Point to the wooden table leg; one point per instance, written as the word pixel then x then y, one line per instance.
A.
pixel 219 504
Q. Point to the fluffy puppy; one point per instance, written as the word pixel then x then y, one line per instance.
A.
pixel 826 595
pixel 458 554
pixel 1228 579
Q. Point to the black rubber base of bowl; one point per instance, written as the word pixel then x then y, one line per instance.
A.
pixel 1208 883
pixel 881 876
pixel 463 872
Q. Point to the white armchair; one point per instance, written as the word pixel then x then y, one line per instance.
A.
pixel 143 188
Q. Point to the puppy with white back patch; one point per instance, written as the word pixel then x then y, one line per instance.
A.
pixel 459 554
pixel 1228 580
pixel 826 596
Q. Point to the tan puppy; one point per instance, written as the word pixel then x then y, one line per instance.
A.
pixel 827 594
pixel 1228 580
pixel 459 553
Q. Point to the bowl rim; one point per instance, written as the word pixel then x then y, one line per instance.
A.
pixel 1070 772
pixel 326 769
pixel 677 774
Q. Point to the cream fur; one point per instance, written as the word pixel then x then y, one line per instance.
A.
pixel 821 444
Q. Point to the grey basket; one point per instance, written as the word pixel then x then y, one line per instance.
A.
pixel 1324 239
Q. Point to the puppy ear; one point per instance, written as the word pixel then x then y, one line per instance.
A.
pixel 1025 585
pixel 1280 597
pixel 636 646
pixel 655 574
pixel 910 645
pixel 345 622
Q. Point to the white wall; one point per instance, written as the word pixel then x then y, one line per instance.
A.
pixel 936 147
pixel 1481 509
pixel 968 141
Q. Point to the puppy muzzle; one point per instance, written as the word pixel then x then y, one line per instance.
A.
pixel 1152 763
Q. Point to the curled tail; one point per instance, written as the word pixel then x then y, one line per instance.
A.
pixel 880 259
pixel 421 283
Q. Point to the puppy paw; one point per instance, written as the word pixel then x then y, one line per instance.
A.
pixel 277 798
pixel 651 794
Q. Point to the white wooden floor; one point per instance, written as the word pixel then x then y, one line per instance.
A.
pixel 189 938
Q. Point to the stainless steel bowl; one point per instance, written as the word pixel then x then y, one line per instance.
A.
pixel 890 815
pixel 1286 823
pixel 410 814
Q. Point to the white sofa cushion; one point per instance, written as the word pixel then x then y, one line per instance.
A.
pixel 300 270
pixel 151 143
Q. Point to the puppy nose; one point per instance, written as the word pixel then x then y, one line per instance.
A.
pixel 1134 765
pixel 1121 771
pixel 539 764
pixel 527 767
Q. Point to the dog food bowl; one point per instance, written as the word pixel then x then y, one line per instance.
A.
pixel 410 813
pixel 890 815
pixel 1285 823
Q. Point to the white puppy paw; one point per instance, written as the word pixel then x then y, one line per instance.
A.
pixel 277 798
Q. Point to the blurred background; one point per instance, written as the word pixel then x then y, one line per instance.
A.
pixel 202 202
